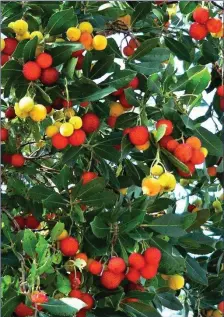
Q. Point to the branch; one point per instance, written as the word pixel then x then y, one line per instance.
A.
pixel 217 5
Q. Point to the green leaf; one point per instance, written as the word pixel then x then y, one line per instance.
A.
pixel 160 204
pixel 202 216
pixel 175 161
pixel 178 48
pixel 154 84
pixel 58 308
pixel 146 68
pixel 95 186
pixel 99 227
pixel 195 272
pixel 127 120
pixel 120 79
pixel 87 64
pixel 57 230
pixel 62 53
pixel 106 198
pixel 131 97
pixel 209 51
pixel 145 48
pixel 169 300
pixel 101 67
pixel 71 154
pixel 160 132
pixel 126 147
pixel 107 152
pixel 29 242
pixel 63 284
pixel 198 82
pixel 44 95
pixel 30 49
pixel 187 77
pixel 140 310
pixel 39 192
pixel 170 225
pixel 18 53
pixel 187 7
pixel 134 172
pixel 12 299
pixel 141 10
pixel 210 141
pixel 60 21
pixel 11 69
pixel 54 201
pixel 69 68
pixel 157 55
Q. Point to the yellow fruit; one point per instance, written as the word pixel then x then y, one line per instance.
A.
pixel 76 122
pixel 195 209
pixel 172 10
pixel 167 181
pixel 204 151
pixel 86 27
pixel 58 124
pixel 217 205
pixel 38 113
pixel 69 112
pixel 116 109
pixel 123 191
pixel 51 130
pixel 26 104
pixel 165 277
pixel 99 42
pixel 39 50
pixel 63 235
pixel 11 25
pixel 38 34
pixel 20 27
pixel 73 34
pixel 2 44
pixel 157 170
pixel 176 282
pixel 209 313
pixel 126 19
pixel 217 313
pixel 25 36
pixel 219 34
pixel 198 202
pixel 19 113
pixel 66 129
pixel 143 147
pixel 150 186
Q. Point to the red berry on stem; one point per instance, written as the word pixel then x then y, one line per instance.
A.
pixel 110 280
pixel 134 83
pixel 128 51
pixel 49 76
pixel 116 265
pixel 183 152
pixel 149 271
pixel 77 138
pixel 139 135
pixel 198 31
pixel 20 221
pixel 69 246
pixel 90 122
pixel 201 15
pixel 220 91
pixel 152 256
pixel 124 101
pixel 136 261
pixel 10 45
pixel 197 157
pixel 133 275
pixel 31 71
pixel 191 168
pixel 22 310
pixel 4 134
pixel 31 222
pixel 88 177
pixel 10 113
pixel 95 267
pixel 44 60
pixel 75 293
pixel 172 145
pixel 88 299
pixel 214 25
pixel 167 123
pixel 164 141
pixel 17 160
pixel 59 141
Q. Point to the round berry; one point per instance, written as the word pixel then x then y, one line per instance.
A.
pixel 183 152
pixel 133 275
pixel 17 160
pixel 167 123
pixel 4 134
pixel 139 135
pixel 90 122
pixel 95 267
pixel 44 60
pixel 111 121
pixel 31 71
pixel 194 142
pixel 10 45
pixel 149 271
pixel 172 145
pixel 110 280
pixel 88 177
pixel 69 246
pixel 116 265
pixel 220 91
pixel 77 138
pixel 49 76
pixel 152 256
pixel 191 168
pixel 201 15
pixel 31 222
pixel 128 51
pixel 134 83
pixel 59 141
pixel 124 101
pixel 198 31
pixel 136 261
pixel 197 157
pixel 214 25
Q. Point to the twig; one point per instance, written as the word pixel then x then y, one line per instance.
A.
pixel 217 5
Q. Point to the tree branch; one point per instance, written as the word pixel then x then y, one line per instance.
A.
pixel 217 5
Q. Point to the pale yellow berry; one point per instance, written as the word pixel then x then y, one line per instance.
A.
pixel 69 112
pixel 26 104
pixel 51 130
pixel 20 27
pixel 20 114
pixel 38 113
pixel 25 36
pixel 76 122
pixel 86 27
pixel 73 34
pixel 66 129
pixel 99 42
pixel 176 282
pixel 157 170
pixel 38 34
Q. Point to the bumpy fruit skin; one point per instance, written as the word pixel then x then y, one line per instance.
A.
pixel 118 92
pixel 128 51
pixel 99 42
pixel 156 170
pixel 136 261
pixel 81 256
pixel 77 138
pixel 167 123
pixel 198 31
pixel 164 141
pixel 26 104
pixel 78 53
pixel 194 142
pixel 38 34
pixel 66 129
pixel 20 27
pixel 22 310
pixel 191 168
pixel 90 122
pixel 31 222
pixel 167 182
pixel 10 113
pixel 95 267
pixel 149 271
pixel 220 91
pixel 17 160
pixel 66 103
pixel 44 60
pixel 20 221
pixel 49 76
pixel 19 113
pixel 110 280
pixel 124 101
pixel 75 279
pixel 197 157
pixel 111 121
pixel 38 113
pixel 139 135
pixel 25 36
pixel 69 246
pixel 31 71
pixel 76 121
pixel 116 265
pixel 10 45
pixel 116 109
pixel 221 306
pixel 214 25
pixel 59 141
pixel 63 235
pixel 201 15
pixel 172 145
pixel 79 63
pixel 4 134
pixel 150 186
pixel 81 313
pixel 88 299
pixel 143 147
pixel 88 177
pixel 176 282
pixel 86 40
pixel 183 152
pixel 152 256
pixel 73 34
pixel 75 293
pixel 69 113
pixel 4 59
pixel 133 275
pixel 51 130
pixel 39 297
pixel 86 27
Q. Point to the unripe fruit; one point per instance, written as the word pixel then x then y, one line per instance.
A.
pixel 19 113
pixel 38 113
pixel 217 205
pixel 69 246
pixel 86 40
pixel 4 134
pixel 90 122
pixel 136 261
pixel 133 275
pixel 201 15
pixel 150 186
pixel 194 142
pixel 183 152
pixel 110 280
pixel 152 256
pixel 164 141
pixel 116 265
pixel 26 104
pixel 167 182
pixel 75 293
pixel 59 141
pixel 31 71
pixel 221 306
pixel 139 135
pixel 51 130
pixel 172 145
pixel 167 123
pixel 2 44
pixel 69 113
pixel 44 60
pixel 128 51
pixel 86 27
pixel 25 36
pixel 134 83
pixel 116 109
pixel 88 177
pixel 20 27
pixel 4 59
pixel 17 160
pixel 95 267
pixel 143 147
pixel 38 34
pixel 198 31
pixel 31 222
pixel 124 101
pixel 10 45
pixel 156 170
pixel 76 122
pixel 149 271
pixel 22 310
pixel 99 42
pixel 214 25
pixel 62 235
pixel 75 279
pixel 81 256
pixel 191 168
pixel 66 129
pixel 111 121
pixel 220 91
pixel 38 297
pixel 217 313
pixel 176 282
pixel 49 76
pixel 77 138
pixel 73 34
pixel 20 221
pixel 204 151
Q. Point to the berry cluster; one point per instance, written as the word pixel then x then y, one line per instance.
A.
pixel 8 46
pixel 152 186
pixel 132 45
pixel 26 222
pixel 27 108
pixel 16 160
pixel 20 27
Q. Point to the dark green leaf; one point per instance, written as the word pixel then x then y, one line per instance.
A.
pixel 101 67
pixel 210 141
pixel 29 243
pixel 57 230
pixel 187 6
pixel 71 154
pixel 99 227
pixel 145 48
pixel 12 299
pixel 39 192
pixel 127 120
pixel 195 272
pixel 107 152
pixel 170 225
pixel 175 161
pixel 54 201
pixel 60 21
pixel 140 310
pixel 58 308
pixel 62 53
pixel 170 301
pixel 178 48
pixel 30 49
pixel 210 52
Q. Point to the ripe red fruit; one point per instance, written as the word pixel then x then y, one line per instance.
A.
pixel 39 297
pixel 191 168
pixel 172 145
pixel 4 134
pixel 116 265
pixel 17 160
pixel 90 122
pixel 4 59
pixel 10 45
pixel 198 31
pixel 133 43
pixel 44 60
pixel 69 246
pixel 88 299
pixel 152 256
pixel 124 101
pixel 134 83
pixel 110 280
pixel 31 222
pixel 222 103
pixel 128 51
pixel 49 76
pixel 133 275
pixel 183 152
pixel 75 279
pixel 7 158
pixel 220 91
pixel 22 310
pixel 167 123
pixel 66 103
pixel 118 92
pixel 136 261
pixel 75 293
pixel 95 267
pixel 190 207
pixel 163 142
pixel 139 135
pixel 197 157
pixel 149 271
pixel 88 177
pixel 20 221
pixel 84 104
pixel 59 141
pixel 10 113
pixel 201 15
pixel 81 313
pixel 77 138
pixel 31 71
pixel 57 104
pixel 111 121
pixel 221 306
pixel 214 25
pixel 77 53
pixel 79 63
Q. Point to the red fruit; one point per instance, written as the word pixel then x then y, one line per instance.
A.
pixel 59 141
pixel 133 275
pixel 69 246
pixel 77 53
pixel 222 103
pixel 20 221
pixel 39 297
pixel 149 271
pixel 191 168
pixel 111 121
pixel 57 104
pixel 110 280
pixel 31 71
pixel 134 83
pixel 136 287
pixel 88 177
pixel 17 160
pixel 49 109
pixel 77 138
pixel 214 25
pixel 136 261
pixel 75 293
pixel 79 63
pixel 4 134
pixel 49 76
pixel 116 265
pixel 198 31
pixel 95 267
pixel 7 158
pixel 194 142
pixel 84 104
pixel 133 43
pixel 124 101
pixel 126 131
pixel 139 135
pixel 90 122
pixel 118 92
pixel 167 123
pixel 221 306
pixel 152 256
pixel 163 142
pixel 81 313
pixel 128 51
pixel 44 60
pixel 197 157
pixel 190 207
pixel 75 279
pixel 10 45
pixel 220 91
pixel 201 15
pixel 88 299
pixel 10 113
pixel 172 145
pixel 66 103
pixel 22 310
pixel 4 59
pixel 31 222
pixel 183 152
